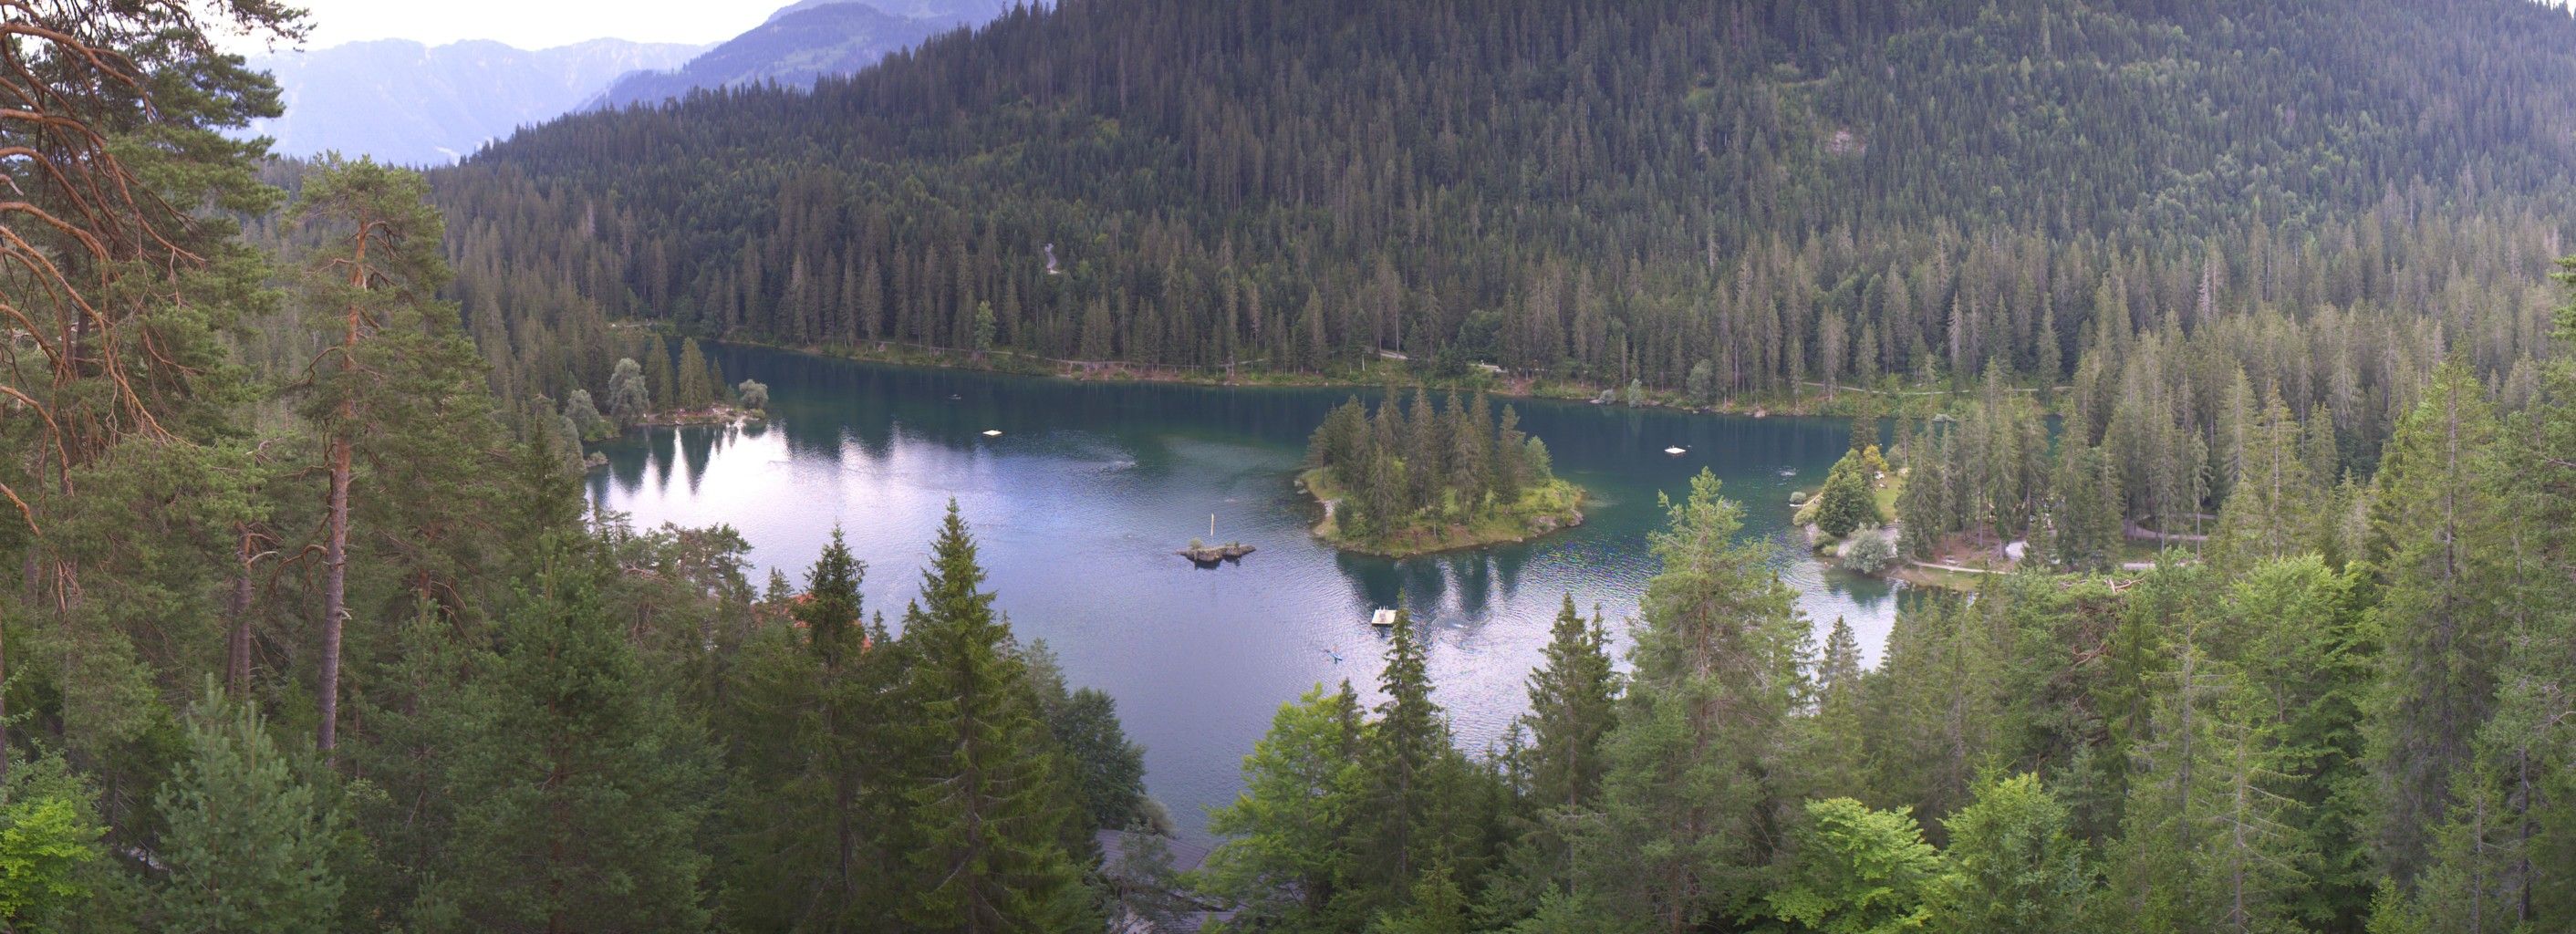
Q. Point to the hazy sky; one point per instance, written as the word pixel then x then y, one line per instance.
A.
pixel 531 24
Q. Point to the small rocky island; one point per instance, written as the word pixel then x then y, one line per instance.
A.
pixel 1208 556
pixel 1410 480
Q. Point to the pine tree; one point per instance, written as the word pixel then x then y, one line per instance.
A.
pixel 376 297
pixel 249 843
pixel 983 818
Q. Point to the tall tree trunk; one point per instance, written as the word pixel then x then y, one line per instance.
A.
pixel 237 642
pixel 335 582
pixel 335 554
pixel 4 707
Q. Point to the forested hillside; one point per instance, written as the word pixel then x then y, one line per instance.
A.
pixel 1728 201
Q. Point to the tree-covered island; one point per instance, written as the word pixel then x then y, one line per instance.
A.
pixel 1407 480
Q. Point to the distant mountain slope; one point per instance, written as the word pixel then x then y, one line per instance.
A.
pixel 401 101
pixel 797 45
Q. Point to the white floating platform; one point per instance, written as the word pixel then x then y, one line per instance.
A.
pixel 1382 619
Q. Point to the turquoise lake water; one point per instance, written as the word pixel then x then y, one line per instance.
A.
pixel 1080 501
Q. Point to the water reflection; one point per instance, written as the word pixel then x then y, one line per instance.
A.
pixel 1080 501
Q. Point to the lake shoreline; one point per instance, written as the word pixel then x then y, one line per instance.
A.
pixel 1124 373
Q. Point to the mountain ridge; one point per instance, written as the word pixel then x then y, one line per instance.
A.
pixel 796 46
pixel 407 102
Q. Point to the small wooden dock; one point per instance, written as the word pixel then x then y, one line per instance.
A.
pixel 1382 619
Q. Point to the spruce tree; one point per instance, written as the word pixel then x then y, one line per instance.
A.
pixel 1835 760
pixel 1857 870
pixel 2434 531
pixel 1511 466
pixel 1572 706
pixel 2210 841
pixel 696 379
pixel 2011 864
pixel 817 762
pixel 983 815
pixel 1105 769
pixel 1403 773
pixel 1697 762
pixel 1469 463
pixel 661 380
pixel 1559 763
pixel 2272 499
pixel 1425 443
pixel 579 785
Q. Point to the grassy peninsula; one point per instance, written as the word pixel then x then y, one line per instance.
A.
pixel 1409 480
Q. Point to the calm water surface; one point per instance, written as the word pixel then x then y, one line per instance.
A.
pixel 1079 503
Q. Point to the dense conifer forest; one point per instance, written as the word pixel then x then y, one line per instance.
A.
pixel 309 629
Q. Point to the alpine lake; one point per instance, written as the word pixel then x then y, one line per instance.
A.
pixel 1080 501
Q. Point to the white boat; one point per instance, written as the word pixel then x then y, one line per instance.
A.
pixel 1676 452
pixel 992 432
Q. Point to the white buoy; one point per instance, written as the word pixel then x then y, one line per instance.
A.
pixel 1676 452
pixel 992 432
